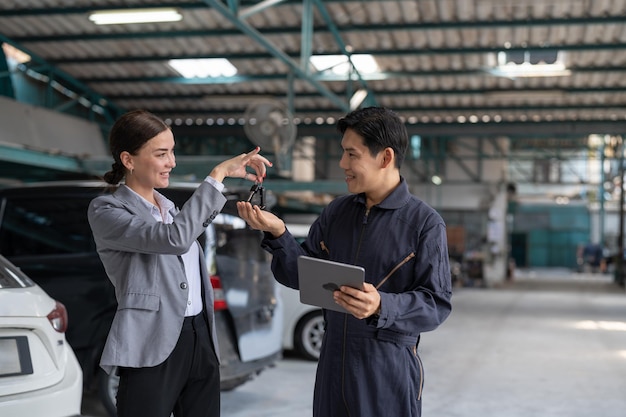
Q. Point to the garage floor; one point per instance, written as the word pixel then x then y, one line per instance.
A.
pixel 550 344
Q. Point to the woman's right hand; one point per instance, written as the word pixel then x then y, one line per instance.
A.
pixel 236 167
pixel 260 219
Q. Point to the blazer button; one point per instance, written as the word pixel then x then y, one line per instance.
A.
pixel 183 285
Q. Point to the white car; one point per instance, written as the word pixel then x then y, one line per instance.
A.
pixel 39 373
pixel 303 325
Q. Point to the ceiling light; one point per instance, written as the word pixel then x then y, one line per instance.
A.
pixel 203 68
pixel 357 98
pixel 127 16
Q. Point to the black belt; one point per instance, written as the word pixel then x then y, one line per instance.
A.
pixel 194 322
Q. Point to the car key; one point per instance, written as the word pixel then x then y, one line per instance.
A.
pixel 257 188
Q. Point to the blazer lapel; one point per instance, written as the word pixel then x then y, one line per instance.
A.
pixel 133 203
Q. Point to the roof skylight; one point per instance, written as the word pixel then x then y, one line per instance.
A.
pixel 203 68
pixel 339 64
pixel 525 64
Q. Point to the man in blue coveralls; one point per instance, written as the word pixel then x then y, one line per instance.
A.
pixel 369 365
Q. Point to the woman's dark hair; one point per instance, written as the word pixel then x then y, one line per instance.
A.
pixel 129 133
pixel 380 128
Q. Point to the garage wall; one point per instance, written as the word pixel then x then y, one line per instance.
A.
pixel 549 235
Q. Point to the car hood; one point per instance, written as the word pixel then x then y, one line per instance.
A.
pixel 21 302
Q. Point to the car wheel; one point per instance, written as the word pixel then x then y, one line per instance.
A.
pixel 309 334
pixel 107 390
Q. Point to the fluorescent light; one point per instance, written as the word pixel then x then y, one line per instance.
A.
pixel 203 68
pixel 357 98
pixel 127 16
pixel 339 64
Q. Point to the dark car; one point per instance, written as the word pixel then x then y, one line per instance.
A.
pixel 44 231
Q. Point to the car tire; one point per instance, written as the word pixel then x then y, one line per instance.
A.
pixel 107 390
pixel 308 336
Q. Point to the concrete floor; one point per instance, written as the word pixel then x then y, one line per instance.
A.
pixel 550 344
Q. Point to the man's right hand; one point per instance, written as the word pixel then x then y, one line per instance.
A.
pixel 260 219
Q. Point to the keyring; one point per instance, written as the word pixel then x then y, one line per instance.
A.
pixel 257 188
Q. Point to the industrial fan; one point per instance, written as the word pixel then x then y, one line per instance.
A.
pixel 269 124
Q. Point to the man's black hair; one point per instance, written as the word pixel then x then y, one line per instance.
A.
pixel 380 128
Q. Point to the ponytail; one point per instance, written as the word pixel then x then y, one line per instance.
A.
pixel 115 175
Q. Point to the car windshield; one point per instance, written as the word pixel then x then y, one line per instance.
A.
pixel 11 277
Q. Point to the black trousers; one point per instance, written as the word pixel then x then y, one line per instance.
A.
pixel 186 384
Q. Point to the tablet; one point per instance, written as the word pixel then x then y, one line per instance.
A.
pixel 318 278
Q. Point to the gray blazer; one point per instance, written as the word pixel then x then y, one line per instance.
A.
pixel 142 258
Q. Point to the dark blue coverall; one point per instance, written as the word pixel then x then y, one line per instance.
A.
pixel 370 367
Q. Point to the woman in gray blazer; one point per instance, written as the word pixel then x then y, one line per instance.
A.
pixel 163 337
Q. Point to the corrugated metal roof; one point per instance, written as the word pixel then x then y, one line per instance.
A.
pixel 432 56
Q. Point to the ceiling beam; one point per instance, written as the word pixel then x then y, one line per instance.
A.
pixel 380 52
pixel 554 129
pixel 112 111
pixel 278 54
pixel 330 78
pixel 528 92
pixel 34 11
pixel 48 160
pixel 618 107
pixel 294 30
pixel 344 50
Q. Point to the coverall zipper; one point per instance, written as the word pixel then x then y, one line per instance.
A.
pixel 345 321
pixel 395 268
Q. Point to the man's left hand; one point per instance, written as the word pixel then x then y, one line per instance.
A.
pixel 360 303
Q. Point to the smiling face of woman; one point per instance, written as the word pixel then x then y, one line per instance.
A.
pixel 150 168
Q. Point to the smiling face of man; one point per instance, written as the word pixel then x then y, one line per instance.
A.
pixel 362 170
